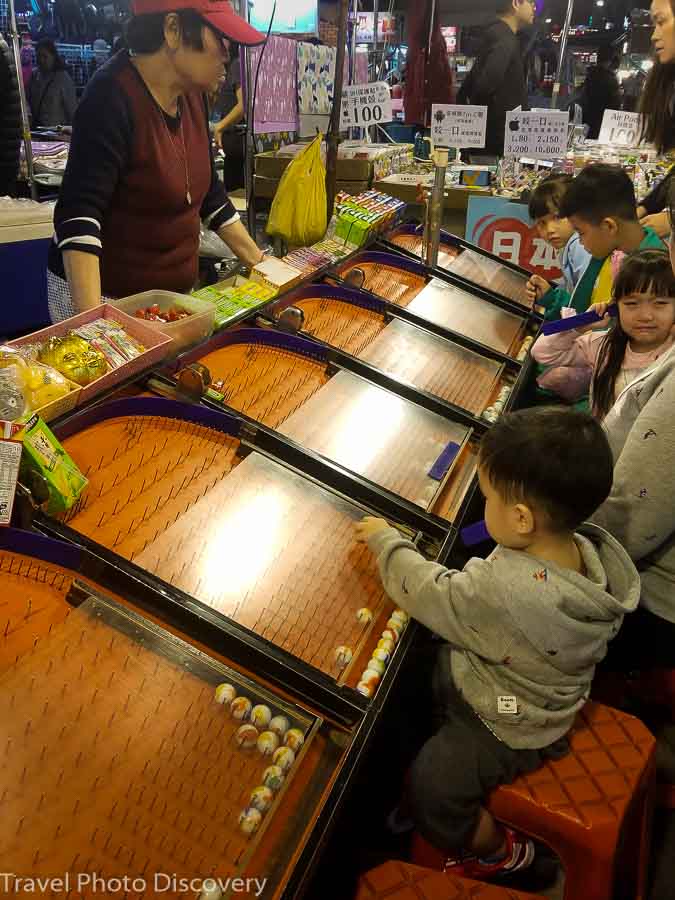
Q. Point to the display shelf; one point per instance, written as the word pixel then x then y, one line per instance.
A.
pixel 119 759
pixel 467 262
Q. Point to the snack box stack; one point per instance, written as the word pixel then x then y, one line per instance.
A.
pixel 367 214
pixel 334 250
pixel 307 259
pixel 233 296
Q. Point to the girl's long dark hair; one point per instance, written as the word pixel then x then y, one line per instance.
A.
pixel 656 105
pixel 643 272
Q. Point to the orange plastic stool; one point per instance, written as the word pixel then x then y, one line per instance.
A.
pixel 593 807
pixel 396 880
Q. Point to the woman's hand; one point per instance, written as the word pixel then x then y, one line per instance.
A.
pixel 369 526
pixel 660 222
pixel 218 136
pixel 241 243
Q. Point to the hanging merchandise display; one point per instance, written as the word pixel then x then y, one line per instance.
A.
pixel 316 78
pixel 274 85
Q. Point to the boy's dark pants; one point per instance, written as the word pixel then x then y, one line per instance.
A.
pixel 461 764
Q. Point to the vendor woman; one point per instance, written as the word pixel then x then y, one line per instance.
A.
pixel 140 175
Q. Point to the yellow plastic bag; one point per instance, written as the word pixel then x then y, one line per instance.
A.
pixel 298 213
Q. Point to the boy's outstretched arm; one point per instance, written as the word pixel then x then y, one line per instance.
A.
pixel 462 607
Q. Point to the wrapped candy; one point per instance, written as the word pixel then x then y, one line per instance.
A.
pixel 12 400
pixel 12 397
pixel 75 358
pixel 44 385
pixel 27 385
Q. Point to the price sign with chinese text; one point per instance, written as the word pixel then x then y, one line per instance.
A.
pixel 454 125
pixel 541 135
pixel 365 104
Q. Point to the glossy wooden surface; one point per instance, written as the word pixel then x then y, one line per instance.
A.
pixel 116 758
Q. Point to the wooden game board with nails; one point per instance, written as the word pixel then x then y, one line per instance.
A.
pixel 443 304
pixel 488 273
pixel 298 586
pixel 344 418
pixel 117 758
pixel 452 307
pixel 394 284
pixel 263 382
pixel 403 351
pixel 363 427
pixel 475 267
pixel 414 243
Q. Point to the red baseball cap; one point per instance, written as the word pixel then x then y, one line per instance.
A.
pixel 218 13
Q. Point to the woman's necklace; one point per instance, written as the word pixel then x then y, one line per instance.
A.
pixel 188 195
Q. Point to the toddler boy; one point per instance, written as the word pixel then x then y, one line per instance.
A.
pixel 524 627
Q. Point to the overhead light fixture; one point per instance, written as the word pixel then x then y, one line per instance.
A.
pixel 548 21
pixel 599 2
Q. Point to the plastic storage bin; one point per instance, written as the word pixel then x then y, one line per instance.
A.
pixel 184 333
pixel 156 344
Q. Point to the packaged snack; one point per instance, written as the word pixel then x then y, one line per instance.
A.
pixel 75 358
pixel 44 454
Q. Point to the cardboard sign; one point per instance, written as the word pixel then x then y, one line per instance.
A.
pixel 454 125
pixel 620 128
pixel 541 135
pixel 365 104
pixel 504 228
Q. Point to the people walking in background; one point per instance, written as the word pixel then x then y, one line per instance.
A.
pixel 600 90
pixel 228 113
pixel 52 94
pixel 10 121
pixel 497 79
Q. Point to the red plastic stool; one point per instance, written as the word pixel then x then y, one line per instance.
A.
pixel 396 880
pixel 593 808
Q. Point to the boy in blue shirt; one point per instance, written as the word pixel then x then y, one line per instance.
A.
pixel 544 209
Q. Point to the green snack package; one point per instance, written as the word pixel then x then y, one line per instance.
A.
pixel 45 455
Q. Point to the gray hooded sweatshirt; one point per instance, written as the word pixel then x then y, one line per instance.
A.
pixel 524 635
pixel 640 510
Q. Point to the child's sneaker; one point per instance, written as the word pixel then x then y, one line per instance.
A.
pixel 519 855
